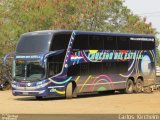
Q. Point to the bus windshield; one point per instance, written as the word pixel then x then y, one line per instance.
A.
pixel 33 44
pixel 28 71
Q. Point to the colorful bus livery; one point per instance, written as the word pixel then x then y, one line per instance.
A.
pixel 111 55
pixel 66 63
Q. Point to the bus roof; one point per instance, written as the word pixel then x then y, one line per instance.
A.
pixel 28 41
pixel 87 32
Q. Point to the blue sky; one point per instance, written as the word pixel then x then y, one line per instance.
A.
pixel 146 8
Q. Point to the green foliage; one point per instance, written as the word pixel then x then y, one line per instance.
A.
pixel 20 16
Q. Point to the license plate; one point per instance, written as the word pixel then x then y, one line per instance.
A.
pixel 25 93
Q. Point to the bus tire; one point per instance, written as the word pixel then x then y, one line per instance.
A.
pixel 74 92
pixel 129 87
pixel 139 86
pixel 69 91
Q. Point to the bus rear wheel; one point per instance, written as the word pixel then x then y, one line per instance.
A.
pixel 139 86
pixel 129 87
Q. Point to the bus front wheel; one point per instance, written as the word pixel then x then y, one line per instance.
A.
pixel 129 87
pixel 69 91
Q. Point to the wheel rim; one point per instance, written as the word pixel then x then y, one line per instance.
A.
pixel 69 91
pixel 139 87
pixel 130 87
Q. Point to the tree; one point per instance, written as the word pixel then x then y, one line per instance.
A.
pixel 20 16
pixel 136 25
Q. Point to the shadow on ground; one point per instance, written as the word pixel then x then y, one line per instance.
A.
pixel 81 96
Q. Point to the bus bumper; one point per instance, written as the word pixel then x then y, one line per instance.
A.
pixel 36 89
pixel 35 93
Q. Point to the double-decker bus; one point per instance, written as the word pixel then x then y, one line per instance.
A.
pixel 69 62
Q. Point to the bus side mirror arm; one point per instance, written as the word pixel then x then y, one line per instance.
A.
pixel 7 56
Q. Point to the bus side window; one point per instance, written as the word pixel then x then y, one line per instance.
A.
pixel 60 41
pixel 74 70
pixel 54 68
pixel 78 69
pixel 148 45
pixel 109 42
pixel 95 42
pixel 135 45
pixel 123 43
pixel 115 67
pixel 80 42
pixel 50 70
pixel 95 68
pixel 84 68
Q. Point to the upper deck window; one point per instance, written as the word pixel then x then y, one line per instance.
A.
pixel 60 41
pixel 123 43
pixel 81 42
pixel 33 44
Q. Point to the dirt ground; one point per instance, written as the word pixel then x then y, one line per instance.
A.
pixel 86 104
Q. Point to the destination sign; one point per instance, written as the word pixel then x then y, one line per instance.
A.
pixel 28 57
pixel 142 39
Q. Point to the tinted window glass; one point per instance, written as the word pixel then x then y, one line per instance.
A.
pixel 74 70
pixel 109 43
pixel 95 42
pixel 148 45
pixel 135 45
pixel 60 41
pixel 81 42
pixel 54 68
pixel 97 68
pixel 78 69
pixel 123 43
pixel 33 44
pixel 115 67
pixel 84 68
pixel 55 63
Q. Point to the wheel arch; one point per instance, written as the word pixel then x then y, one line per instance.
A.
pixel 140 77
pixel 74 84
pixel 131 78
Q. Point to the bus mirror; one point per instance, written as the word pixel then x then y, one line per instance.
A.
pixel 8 56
